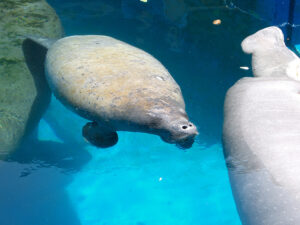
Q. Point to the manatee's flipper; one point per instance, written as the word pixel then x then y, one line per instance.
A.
pixel 35 54
pixel 99 136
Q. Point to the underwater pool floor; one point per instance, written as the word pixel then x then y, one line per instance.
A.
pixel 139 181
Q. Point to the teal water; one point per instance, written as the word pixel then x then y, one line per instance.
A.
pixel 58 178
pixel 139 181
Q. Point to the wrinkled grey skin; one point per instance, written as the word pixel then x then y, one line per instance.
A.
pixel 261 140
pixel 168 120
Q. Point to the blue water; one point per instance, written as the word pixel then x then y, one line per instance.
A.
pixel 56 178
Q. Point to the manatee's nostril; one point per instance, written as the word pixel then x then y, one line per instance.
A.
pixel 190 125
pixel 184 127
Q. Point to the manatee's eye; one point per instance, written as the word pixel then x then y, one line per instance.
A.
pixel 184 127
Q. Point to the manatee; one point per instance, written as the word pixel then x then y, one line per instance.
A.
pixel 270 56
pixel 23 92
pixel 117 87
pixel 261 133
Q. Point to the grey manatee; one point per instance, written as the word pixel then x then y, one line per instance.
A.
pixel 117 87
pixel 261 134
pixel 270 56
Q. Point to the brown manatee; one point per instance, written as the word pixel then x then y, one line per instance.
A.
pixel 118 87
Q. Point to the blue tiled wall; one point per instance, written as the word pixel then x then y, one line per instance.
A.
pixel 296 30
pixel 276 12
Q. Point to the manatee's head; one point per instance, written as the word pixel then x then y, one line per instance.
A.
pixel 175 128
pixel 269 37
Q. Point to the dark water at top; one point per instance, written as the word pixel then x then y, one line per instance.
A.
pixel 60 179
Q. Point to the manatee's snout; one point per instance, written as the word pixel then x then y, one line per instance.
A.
pixel 186 136
pixel 181 133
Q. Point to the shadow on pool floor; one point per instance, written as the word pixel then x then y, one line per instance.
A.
pixel 34 181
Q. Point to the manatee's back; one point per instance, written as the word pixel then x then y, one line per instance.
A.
pixel 101 77
pixel 261 139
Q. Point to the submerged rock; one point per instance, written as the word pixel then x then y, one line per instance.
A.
pixel 23 98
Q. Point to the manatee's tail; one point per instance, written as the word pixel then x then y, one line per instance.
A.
pixel 40 41
pixel 35 50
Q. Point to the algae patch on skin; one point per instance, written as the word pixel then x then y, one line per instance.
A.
pixel 19 18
